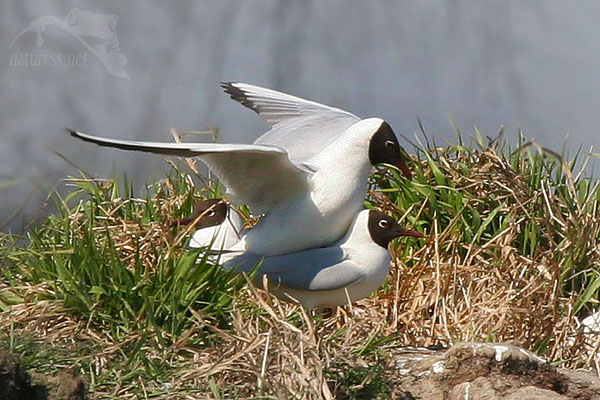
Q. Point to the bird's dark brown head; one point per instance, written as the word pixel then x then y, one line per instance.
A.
pixel 212 212
pixel 384 148
pixel 383 229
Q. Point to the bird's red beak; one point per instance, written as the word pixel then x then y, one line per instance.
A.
pixel 408 232
pixel 404 169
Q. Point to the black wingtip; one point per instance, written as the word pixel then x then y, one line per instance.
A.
pixel 239 95
pixel 232 90
pixel 72 132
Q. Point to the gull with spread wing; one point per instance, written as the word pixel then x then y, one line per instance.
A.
pixel 307 176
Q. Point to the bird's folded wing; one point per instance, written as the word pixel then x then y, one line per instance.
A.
pixel 260 176
pixel 302 127
pixel 315 269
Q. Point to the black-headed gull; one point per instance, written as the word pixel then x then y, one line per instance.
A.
pixel 217 225
pixel 349 270
pixel 307 175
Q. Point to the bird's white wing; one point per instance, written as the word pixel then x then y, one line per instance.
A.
pixel 302 127
pixel 314 269
pixel 260 176
pixel 277 107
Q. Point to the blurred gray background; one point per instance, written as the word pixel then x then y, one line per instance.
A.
pixel 137 69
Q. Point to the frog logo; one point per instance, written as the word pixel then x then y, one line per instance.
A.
pixel 96 32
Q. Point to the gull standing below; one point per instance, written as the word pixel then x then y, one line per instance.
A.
pixel 349 270
pixel 307 175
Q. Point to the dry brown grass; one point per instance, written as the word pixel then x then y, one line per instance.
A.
pixel 446 291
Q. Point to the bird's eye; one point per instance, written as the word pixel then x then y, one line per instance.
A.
pixel 211 213
pixel 389 144
pixel 383 224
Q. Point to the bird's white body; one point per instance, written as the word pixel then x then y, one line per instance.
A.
pixel 375 266
pixel 348 270
pixel 321 215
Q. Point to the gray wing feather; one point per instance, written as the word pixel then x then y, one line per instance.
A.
pixel 302 127
pixel 260 176
pixel 276 107
pixel 315 269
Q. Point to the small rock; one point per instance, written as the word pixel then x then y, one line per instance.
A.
pixel 490 371
pixel 534 393
pixel 18 384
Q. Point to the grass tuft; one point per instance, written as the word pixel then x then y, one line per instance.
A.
pixel 111 268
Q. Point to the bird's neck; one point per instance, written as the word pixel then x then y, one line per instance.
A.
pixel 345 162
pixel 358 233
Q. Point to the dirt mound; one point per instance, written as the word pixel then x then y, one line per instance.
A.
pixel 18 384
pixel 491 371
